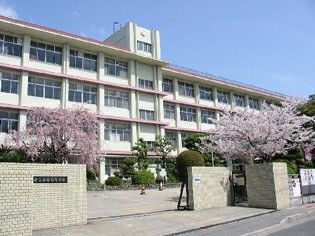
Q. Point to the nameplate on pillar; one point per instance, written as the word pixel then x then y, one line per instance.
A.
pixel 50 179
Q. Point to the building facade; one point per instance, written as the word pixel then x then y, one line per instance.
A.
pixel 123 79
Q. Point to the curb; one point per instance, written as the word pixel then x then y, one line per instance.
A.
pixel 297 217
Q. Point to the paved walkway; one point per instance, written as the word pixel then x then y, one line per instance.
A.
pixel 128 213
pixel 117 203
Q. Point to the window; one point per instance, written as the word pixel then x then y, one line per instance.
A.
pixel 239 100
pixel 116 99
pixel 117 132
pixel 116 68
pixel 148 84
pixel 187 114
pixel 44 88
pixel 169 111
pixel 206 116
pixel 171 136
pixel 186 89
pixel 142 46
pixel 81 60
pixel 253 103
pixel 151 146
pixel 8 121
pixel 184 136
pixel 206 93
pixel 168 85
pixel 45 52
pixel 112 165
pixel 10 45
pixel 10 83
pixel 146 114
pixel 82 93
pixel 223 96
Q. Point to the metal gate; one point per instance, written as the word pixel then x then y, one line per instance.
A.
pixel 239 185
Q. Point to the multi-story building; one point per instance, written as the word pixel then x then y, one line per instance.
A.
pixel 123 79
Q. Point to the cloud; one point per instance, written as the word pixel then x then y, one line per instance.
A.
pixel 75 13
pixel 8 11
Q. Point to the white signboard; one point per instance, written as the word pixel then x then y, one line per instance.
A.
pixel 197 179
pixel 307 177
pixel 295 183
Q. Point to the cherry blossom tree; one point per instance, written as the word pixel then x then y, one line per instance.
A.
pixel 251 134
pixel 60 136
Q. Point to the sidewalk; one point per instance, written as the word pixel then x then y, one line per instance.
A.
pixel 124 213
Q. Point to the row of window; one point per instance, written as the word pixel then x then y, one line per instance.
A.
pixel 188 114
pixel 10 45
pixel 206 93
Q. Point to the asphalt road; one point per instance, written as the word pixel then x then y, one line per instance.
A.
pixel 260 225
pixel 303 229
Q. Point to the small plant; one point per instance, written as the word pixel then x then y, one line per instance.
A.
pixel 188 158
pixel 114 181
pixel 143 177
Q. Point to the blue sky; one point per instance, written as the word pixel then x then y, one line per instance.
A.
pixel 270 44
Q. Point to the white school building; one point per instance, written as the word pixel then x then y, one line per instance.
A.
pixel 123 79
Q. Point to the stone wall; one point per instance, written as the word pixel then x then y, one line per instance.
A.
pixel 267 185
pixel 208 187
pixel 26 206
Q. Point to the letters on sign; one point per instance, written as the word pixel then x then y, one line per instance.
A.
pixel 50 179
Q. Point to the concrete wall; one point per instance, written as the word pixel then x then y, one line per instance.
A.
pixel 26 206
pixel 208 187
pixel 267 185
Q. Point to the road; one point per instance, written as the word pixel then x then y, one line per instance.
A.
pixel 259 226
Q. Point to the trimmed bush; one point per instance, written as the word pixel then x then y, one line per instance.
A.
pixel 90 175
pixel 188 158
pixel 143 177
pixel 114 181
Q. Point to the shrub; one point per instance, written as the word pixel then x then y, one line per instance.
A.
pixel 143 177
pixel 188 158
pixel 90 175
pixel 114 181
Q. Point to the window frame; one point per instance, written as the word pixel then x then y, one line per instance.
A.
pixel 11 81
pixel 120 134
pixel 227 96
pixel 186 89
pixel 206 93
pixel 144 47
pixel 188 114
pixel 46 52
pixel 168 85
pixel 147 114
pixel 46 85
pixel 204 118
pixel 116 65
pixel 146 84
pixel 111 100
pixel 239 98
pixel 14 44
pixel 250 103
pixel 91 92
pixel 9 121
pixel 85 57
pixel 170 110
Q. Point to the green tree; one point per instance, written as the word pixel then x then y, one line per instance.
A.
pixel 127 168
pixel 164 146
pixel 192 141
pixel 141 152
pixel 309 107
